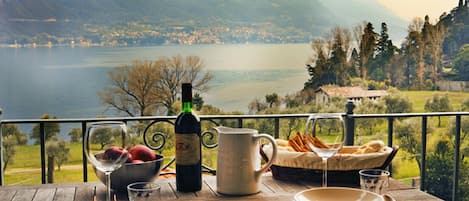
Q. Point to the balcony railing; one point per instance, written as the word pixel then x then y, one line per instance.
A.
pixel 349 118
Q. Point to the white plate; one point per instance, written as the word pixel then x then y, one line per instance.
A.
pixel 337 194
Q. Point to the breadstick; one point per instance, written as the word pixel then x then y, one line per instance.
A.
pixel 294 145
pixel 298 139
pixel 317 142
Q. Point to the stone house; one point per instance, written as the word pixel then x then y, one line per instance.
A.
pixel 356 94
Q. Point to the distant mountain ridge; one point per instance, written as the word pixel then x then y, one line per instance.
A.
pixel 29 17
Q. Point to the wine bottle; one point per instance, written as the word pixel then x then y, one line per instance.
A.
pixel 188 145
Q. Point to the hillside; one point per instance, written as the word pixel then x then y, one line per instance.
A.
pixel 307 18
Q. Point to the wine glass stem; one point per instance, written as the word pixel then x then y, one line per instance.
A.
pixel 324 172
pixel 108 186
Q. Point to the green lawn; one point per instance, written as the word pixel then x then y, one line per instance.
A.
pixel 25 154
pixel 418 98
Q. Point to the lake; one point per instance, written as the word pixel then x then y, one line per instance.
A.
pixel 64 81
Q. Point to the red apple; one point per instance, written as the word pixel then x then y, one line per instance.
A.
pixel 142 152
pixel 129 158
pixel 113 153
pixel 137 161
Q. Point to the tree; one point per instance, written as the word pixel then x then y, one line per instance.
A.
pixel 338 59
pixel 367 48
pixel 397 103
pixel 440 173
pixel 272 99
pixel 413 48
pixel 198 101
pixel 354 63
pixel 149 87
pixel 330 60
pixel 101 137
pixel 465 105
pixel 256 106
pixel 396 70
pixel 51 129
pixel 58 150
pixel 12 136
pixel 9 150
pixel 13 130
pixel 408 133
pixel 380 69
pixel 438 103
pixel 75 135
pixel 320 74
pixel 369 107
pixel 464 135
pixel 177 70
pixel 434 38
pixel 461 63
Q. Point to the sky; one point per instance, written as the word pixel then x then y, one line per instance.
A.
pixel 408 9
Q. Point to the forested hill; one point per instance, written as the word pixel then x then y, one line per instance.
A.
pixel 56 17
pixel 457 24
pixel 163 11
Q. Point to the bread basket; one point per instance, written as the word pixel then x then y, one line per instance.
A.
pixel 342 168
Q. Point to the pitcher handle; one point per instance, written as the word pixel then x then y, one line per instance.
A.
pixel 274 152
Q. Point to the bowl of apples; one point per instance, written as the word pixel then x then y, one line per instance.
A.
pixel 142 165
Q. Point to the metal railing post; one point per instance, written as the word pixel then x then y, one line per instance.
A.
pixel 42 141
pixel 85 160
pixel 457 145
pixel 349 123
pixel 390 133
pixel 1 150
pixel 423 173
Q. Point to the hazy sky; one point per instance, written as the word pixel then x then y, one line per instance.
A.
pixel 408 9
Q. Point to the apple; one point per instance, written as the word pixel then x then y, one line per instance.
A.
pixel 129 158
pixel 142 152
pixel 113 153
pixel 137 161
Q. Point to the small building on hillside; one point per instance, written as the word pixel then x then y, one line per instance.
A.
pixel 356 94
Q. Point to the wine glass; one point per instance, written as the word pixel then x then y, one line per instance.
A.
pixel 327 138
pixel 105 147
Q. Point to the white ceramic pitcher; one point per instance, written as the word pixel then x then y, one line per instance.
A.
pixel 239 162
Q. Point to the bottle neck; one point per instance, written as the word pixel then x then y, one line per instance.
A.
pixel 186 107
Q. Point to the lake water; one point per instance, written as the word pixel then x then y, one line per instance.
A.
pixel 64 81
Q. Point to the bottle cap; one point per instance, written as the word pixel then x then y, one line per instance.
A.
pixel 186 92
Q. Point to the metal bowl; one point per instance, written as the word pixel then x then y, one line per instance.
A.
pixel 132 172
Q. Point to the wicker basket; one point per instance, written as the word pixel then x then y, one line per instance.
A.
pixel 334 177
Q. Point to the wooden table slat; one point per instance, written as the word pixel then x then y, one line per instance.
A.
pixel 84 193
pixel 167 192
pixel 271 189
pixel 7 194
pixel 24 195
pixel 44 194
pixel 182 195
pixel 67 193
pixel 206 191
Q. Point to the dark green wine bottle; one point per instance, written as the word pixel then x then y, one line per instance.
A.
pixel 188 145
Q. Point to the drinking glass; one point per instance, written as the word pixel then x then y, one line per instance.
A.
pixel 105 147
pixel 143 191
pixel 328 137
pixel 374 180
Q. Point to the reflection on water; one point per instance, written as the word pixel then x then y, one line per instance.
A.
pixel 64 81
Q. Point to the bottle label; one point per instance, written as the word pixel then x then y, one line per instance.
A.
pixel 187 149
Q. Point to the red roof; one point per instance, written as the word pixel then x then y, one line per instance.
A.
pixel 351 92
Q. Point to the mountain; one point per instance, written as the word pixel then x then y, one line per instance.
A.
pixel 67 17
pixel 352 12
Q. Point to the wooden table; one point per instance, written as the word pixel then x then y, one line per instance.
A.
pixel 271 190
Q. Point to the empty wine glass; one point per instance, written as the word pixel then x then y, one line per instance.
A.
pixel 328 137
pixel 105 147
